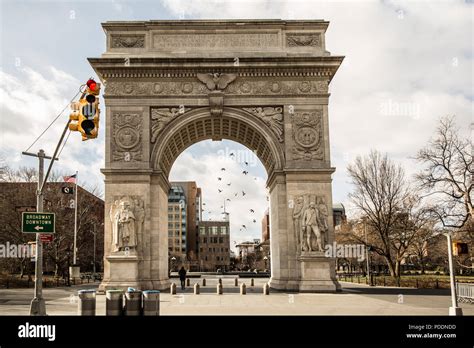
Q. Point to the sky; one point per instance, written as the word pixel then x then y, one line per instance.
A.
pixel 407 63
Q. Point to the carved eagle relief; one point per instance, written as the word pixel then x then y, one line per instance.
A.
pixel 216 81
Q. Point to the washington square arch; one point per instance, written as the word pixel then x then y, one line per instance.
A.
pixel 262 83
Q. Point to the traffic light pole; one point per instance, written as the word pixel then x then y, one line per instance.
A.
pixel 38 306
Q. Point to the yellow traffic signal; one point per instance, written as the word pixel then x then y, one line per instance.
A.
pixel 85 115
pixel 74 116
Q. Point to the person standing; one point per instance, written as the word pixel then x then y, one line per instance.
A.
pixel 182 277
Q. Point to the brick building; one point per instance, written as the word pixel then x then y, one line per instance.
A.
pixel 17 197
pixel 214 245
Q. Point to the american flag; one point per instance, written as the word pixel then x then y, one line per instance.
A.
pixel 71 178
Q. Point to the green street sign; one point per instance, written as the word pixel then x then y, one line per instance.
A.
pixel 37 222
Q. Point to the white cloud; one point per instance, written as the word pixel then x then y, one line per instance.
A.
pixel 405 53
pixel 29 101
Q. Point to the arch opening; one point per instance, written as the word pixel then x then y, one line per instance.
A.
pixel 198 125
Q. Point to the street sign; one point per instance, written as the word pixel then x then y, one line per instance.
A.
pixel 67 190
pixel 37 222
pixel 46 238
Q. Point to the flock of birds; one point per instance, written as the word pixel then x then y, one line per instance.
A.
pixel 222 190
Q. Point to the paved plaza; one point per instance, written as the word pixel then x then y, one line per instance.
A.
pixel 355 299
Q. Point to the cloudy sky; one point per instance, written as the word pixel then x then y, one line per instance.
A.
pixel 406 65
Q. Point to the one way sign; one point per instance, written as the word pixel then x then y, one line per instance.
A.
pixel 38 222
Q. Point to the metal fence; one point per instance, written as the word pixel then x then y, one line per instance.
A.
pixel 465 292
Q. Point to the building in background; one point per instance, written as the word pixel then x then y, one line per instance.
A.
pixel 193 199
pixel 266 226
pixel 214 245
pixel 339 215
pixel 177 224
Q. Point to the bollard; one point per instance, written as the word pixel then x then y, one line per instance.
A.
pixel 173 289
pixel 196 289
pixel 251 282
pixel 219 289
pixel 204 282
pixel 133 302
pixel 151 302
pixel 220 281
pixel 243 289
pixel 86 304
pixel 114 302
pixel 187 282
pixel 266 289
pixel 236 282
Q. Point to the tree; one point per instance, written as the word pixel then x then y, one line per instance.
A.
pixel 447 176
pixel 392 214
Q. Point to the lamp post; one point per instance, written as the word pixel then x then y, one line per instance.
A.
pixel 173 260
pixel 68 254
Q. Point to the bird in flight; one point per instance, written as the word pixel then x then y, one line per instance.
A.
pixel 219 190
pixel 222 169
pixel 231 154
pixel 245 172
pixel 252 211
pixel 254 220
pixel 243 193
pixel 246 163
pixel 244 226
pixel 229 184
pixel 204 204
pixel 219 179
pixel 228 199
pixel 235 195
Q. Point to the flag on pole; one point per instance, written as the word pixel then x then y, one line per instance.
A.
pixel 71 178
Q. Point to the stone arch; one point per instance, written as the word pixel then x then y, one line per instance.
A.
pixel 282 66
pixel 197 125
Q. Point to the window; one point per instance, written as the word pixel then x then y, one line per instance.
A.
pixel 210 250
pixel 202 230
pixel 217 258
pixel 223 230
pixel 214 229
pixel 200 250
pixel 221 240
pixel 205 240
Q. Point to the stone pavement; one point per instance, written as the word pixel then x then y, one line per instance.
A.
pixel 355 299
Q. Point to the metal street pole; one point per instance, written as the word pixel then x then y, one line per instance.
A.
pixel 37 306
pixel 94 251
pixel 74 258
pixel 454 309
pixel 367 253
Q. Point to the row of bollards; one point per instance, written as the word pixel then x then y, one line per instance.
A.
pixel 130 303
pixel 219 287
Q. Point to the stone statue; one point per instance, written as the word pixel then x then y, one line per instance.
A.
pixel 311 228
pixel 297 215
pixel 140 217
pixel 323 220
pixel 123 226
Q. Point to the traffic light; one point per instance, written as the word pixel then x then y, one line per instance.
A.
pixel 460 248
pixel 85 113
